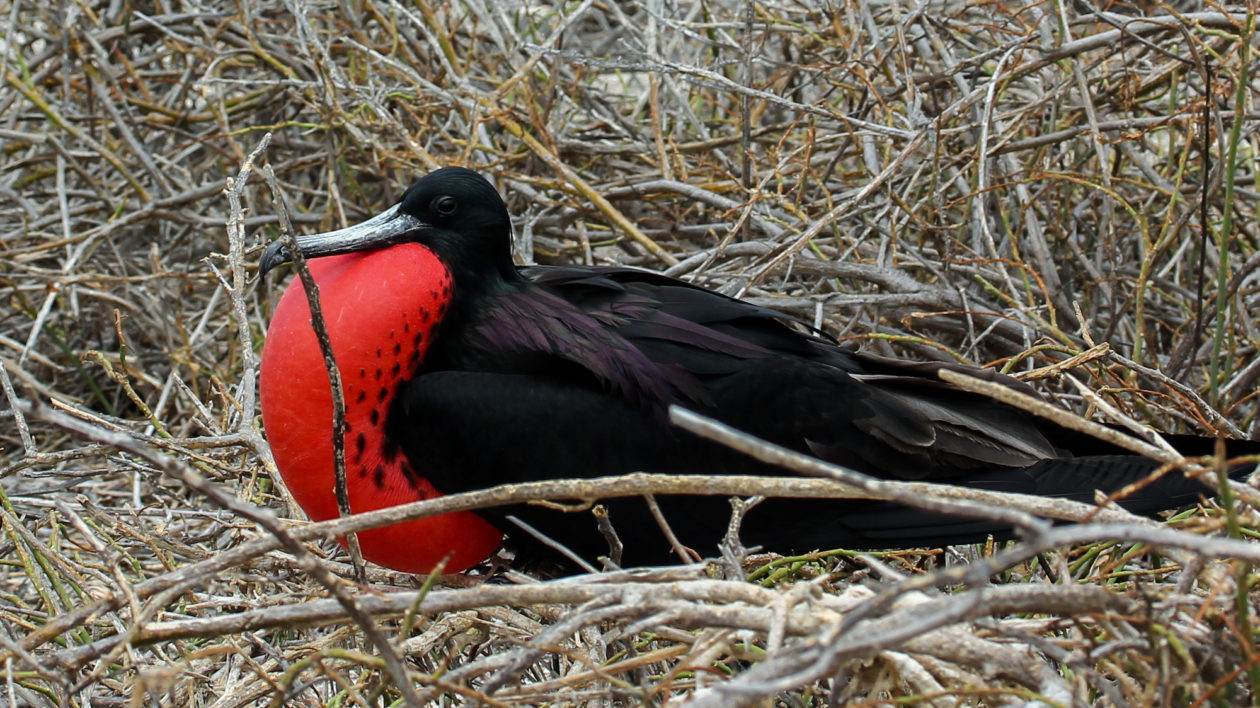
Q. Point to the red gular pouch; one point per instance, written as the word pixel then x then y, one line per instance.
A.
pixel 381 308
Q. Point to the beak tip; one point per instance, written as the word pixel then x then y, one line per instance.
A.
pixel 274 255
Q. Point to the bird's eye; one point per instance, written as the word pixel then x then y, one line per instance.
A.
pixel 445 205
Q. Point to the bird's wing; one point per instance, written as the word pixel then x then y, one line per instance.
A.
pixel 773 376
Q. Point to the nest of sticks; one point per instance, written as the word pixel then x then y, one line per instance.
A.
pixel 1061 191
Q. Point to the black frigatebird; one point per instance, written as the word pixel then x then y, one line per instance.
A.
pixel 463 371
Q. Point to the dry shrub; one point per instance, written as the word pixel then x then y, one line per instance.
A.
pixel 1003 184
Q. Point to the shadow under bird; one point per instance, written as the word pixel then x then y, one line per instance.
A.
pixel 462 371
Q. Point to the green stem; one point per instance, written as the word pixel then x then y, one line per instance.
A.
pixel 1227 222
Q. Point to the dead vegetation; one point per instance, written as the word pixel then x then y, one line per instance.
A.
pixel 1004 184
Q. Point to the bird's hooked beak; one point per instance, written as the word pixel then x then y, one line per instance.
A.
pixel 388 228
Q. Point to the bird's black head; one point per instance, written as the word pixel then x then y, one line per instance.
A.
pixel 454 211
pixel 467 224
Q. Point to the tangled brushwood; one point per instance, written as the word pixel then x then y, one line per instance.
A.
pixel 1062 191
